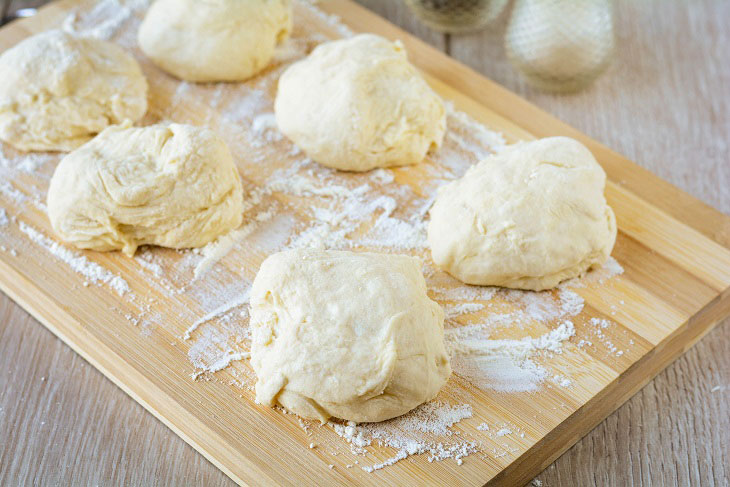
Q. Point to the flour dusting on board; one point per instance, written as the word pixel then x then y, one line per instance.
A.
pixel 425 430
pixel 91 271
pixel 505 342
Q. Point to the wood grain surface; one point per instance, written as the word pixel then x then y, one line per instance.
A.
pixel 664 103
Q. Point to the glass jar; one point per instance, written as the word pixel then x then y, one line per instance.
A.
pixel 457 16
pixel 561 45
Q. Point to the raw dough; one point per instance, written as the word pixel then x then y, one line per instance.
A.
pixel 528 217
pixel 170 185
pixel 344 334
pixel 57 91
pixel 358 104
pixel 214 40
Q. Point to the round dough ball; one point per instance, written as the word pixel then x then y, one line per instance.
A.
pixel 357 104
pixel 527 218
pixel 169 185
pixel 346 335
pixel 214 40
pixel 57 91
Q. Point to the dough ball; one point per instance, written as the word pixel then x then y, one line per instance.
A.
pixel 170 185
pixel 346 335
pixel 357 104
pixel 57 91
pixel 528 217
pixel 214 40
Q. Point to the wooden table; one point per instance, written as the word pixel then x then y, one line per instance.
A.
pixel 665 103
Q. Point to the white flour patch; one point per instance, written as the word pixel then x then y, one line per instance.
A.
pixel 12 193
pixel 424 430
pixel 484 138
pixel 101 22
pixel 92 271
pixel 264 130
pixel 218 312
pixel 226 360
pixel 4 220
pixel 611 268
pixel 217 347
pixel 291 50
pixel 147 263
pixel 28 163
pixel 503 365
pixel 347 217
pixel 454 310
pixel 219 248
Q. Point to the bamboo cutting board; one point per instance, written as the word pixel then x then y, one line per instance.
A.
pixel 673 248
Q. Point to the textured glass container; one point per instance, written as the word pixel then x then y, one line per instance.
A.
pixel 561 45
pixel 457 15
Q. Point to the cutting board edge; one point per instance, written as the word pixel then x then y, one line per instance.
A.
pixel 543 453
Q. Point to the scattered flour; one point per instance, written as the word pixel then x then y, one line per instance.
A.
pixel 11 192
pixel 28 163
pixel 264 130
pixel 291 50
pixel 92 271
pixel 611 268
pixel 4 220
pixel 503 365
pixel 219 311
pixel 149 264
pixel 219 248
pixel 453 310
pixel 225 361
pixel 425 430
pixel 101 22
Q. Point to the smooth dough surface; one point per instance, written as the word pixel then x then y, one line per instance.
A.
pixel 528 217
pixel 357 104
pixel 346 335
pixel 57 91
pixel 214 40
pixel 169 185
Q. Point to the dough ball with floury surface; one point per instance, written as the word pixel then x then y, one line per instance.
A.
pixel 357 104
pixel 57 91
pixel 528 217
pixel 170 185
pixel 214 40
pixel 346 335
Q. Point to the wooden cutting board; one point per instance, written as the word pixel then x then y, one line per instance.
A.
pixel 674 288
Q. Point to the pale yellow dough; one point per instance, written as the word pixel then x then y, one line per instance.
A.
pixel 346 335
pixel 169 185
pixel 358 104
pixel 528 217
pixel 214 40
pixel 57 91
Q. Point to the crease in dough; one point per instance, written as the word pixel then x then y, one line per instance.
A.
pixel 346 335
pixel 170 185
